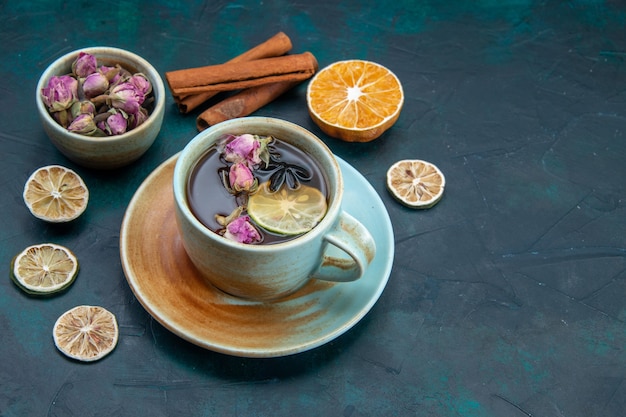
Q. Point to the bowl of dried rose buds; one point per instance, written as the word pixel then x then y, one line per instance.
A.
pixel 102 107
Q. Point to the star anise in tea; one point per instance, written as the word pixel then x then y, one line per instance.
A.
pixel 285 173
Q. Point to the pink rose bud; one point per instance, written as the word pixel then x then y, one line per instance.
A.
pixel 126 97
pixel 85 64
pixel 83 107
pixel 95 84
pixel 138 118
pixel 141 82
pixel 243 149
pixel 242 231
pixel 112 73
pixel 60 93
pixel 240 178
pixel 83 124
pixel 115 124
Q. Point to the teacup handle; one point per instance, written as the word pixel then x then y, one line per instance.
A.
pixel 352 238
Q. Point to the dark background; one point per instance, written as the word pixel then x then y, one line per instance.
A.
pixel 508 298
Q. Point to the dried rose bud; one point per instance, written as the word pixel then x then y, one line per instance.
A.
pixel 115 124
pixel 112 73
pixel 60 93
pixel 241 179
pixel 82 107
pixel 225 220
pixel 83 124
pixel 63 117
pixel 243 149
pixel 95 84
pixel 241 230
pixel 126 97
pixel 84 65
pixel 141 82
pixel 138 118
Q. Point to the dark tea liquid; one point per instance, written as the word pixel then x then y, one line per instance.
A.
pixel 208 197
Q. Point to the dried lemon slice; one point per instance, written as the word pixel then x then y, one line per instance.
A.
pixel 287 211
pixel 44 269
pixel 56 194
pixel 355 100
pixel 86 333
pixel 416 183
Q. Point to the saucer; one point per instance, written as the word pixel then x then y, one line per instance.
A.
pixel 169 287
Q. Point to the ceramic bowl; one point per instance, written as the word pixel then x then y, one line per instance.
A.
pixel 111 151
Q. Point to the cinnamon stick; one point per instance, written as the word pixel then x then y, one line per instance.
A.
pixel 243 103
pixel 188 103
pixel 277 45
pixel 234 76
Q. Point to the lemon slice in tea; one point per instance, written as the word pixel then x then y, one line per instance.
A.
pixel 56 194
pixel 287 211
pixel 416 183
pixel 86 333
pixel 44 269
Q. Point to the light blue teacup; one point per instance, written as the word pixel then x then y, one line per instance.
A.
pixel 339 248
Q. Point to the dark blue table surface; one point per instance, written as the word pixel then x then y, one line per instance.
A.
pixel 508 298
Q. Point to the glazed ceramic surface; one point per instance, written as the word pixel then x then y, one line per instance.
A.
pixel 171 289
pixel 111 151
pixel 264 272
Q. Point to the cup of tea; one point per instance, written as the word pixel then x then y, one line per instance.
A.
pixel 264 236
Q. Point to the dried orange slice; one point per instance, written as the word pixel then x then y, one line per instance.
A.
pixel 56 194
pixel 355 100
pixel 44 269
pixel 416 183
pixel 86 333
pixel 287 211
